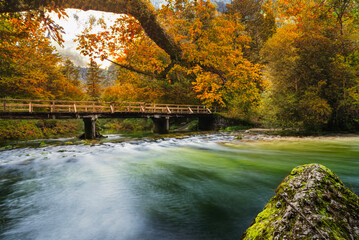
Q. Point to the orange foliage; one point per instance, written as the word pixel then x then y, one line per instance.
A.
pixel 29 68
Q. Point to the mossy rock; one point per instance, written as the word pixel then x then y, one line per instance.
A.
pixel 310 203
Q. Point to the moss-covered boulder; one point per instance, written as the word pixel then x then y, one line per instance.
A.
pixel 310 203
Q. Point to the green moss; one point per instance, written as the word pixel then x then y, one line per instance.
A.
pixel 326 197
pixel 236 128
pixel 240 137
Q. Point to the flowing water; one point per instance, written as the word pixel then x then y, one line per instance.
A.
pixel 199 187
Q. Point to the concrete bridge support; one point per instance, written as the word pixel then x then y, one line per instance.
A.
pixel 161 125
pixel 90 127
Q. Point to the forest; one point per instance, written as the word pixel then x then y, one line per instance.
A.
pixel 291 64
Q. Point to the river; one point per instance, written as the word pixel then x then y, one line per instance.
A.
pixel 189 188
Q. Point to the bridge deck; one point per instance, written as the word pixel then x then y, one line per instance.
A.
pixel 42 109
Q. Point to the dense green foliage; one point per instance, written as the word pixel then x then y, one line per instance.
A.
pixel 312 67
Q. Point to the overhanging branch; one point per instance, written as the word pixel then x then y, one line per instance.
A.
pixel 131 68
pixel 161 75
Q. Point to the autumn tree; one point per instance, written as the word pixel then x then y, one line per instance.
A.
pixel 213 68
pixel 93 82
pixel 29 67
pixel 216 42
pixel 313 65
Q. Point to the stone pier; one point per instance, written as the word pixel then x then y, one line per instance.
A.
pixel 90 127
pixel 161 125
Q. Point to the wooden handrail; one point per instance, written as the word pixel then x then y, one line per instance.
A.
pixel 37 105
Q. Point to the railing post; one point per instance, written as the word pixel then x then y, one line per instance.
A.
pixel 190 110
pixel 168 109
pixel 52 107
pixel 93 107
pixel 75 109
pixel 4 105
pixel 112 107
pixel 30 107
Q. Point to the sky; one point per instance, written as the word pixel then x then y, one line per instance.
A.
pixel 74 25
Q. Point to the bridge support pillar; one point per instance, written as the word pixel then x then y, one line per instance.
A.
pixel 90 127
pixel 161 125
pixel 206 123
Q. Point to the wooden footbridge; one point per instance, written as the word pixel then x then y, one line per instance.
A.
pixel 89 111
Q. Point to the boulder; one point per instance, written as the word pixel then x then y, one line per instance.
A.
pixel 310 203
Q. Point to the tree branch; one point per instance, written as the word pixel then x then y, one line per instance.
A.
pixel 164 73
pixel 161 75
pixel 130 68
pixel 214 70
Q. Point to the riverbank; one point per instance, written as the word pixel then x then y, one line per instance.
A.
pixel 254 135
pixel 262 134
pixel 24 130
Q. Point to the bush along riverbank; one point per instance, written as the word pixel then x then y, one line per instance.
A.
pixel 38 129
pixel 310 203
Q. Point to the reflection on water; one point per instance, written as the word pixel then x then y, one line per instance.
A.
pixel 189 188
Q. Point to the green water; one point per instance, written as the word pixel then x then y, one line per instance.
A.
pixel 199 187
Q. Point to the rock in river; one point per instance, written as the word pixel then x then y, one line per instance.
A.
pixel 310 203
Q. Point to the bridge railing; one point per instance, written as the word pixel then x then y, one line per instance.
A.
pixel 53 106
